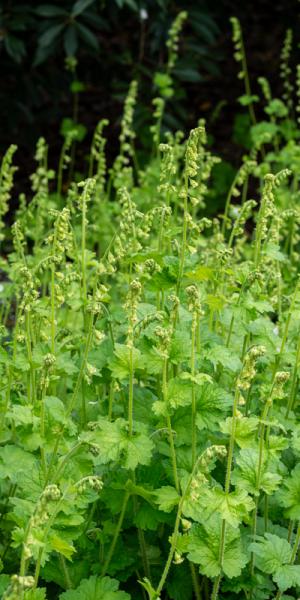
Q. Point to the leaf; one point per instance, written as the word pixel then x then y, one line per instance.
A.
pixel 204 549
pixel 108 438
pixel 88 36
pixel 233 506
pixel 50 35
pixel 65 364
pixel 245 476
pixel 62 546
pixel 114 444
pixel 167 498
pixel 80 6
pixel 289 494
pixel 146 584
pixel 14 47
pixel 4 583
pixel 70 41
pixel 202 273
pixel 15 463
pixel 96 588
pixel 245 427
pixel 77 86
pixel 247 99
pixel 138 450
pixel 276 107
pixel 212 405
pixel 215 302
pixel 120 364
pixel 147 517
pixel 38 594
pixel 180 346
pixel 187 74
pixel 263 128
pixel 179 585
pixel 271 553
pixel 287 576
pixel 179 392
pixel 220 355
pixel 153 360
pixel 78 570
pixel 162 80
pixel 4 357
pixel 76 130
pixel 50 10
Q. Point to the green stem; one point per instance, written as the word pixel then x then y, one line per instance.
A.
pixel 264 416
pixel 111 399
pixel 169 425
pixel 195 581
pixel 130 392
pixel 184 238
pixel 174 536
pixel 74 395
pixel 83 254
pixel 65 570
pixel 293 557
pixel 83 366
pixel 217 581
pixel 194 408
pixel 116 534
pixel 61 166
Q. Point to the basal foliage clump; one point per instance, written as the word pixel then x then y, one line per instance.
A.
pixel 150 433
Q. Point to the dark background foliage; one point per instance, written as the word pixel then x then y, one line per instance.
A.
pixel 115 41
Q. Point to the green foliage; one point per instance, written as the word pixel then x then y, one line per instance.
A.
pixel 94 588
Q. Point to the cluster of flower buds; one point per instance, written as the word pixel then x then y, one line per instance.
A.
pixel 6 176
pixel 41 515
pixel 242 215
pixel 29 289
pixel 131 305
pixel 163 341
pixel 265 87
pixel 211 453
pixel 50 494
pixel 18 584
pixel 128 221
pixel 281 377
pixel 61 238
pixel 90 371
pixel 285 69
pixel 18 238
pixel 88 188
pixel 194 304
pixel 203 465
pixel 298 92
pixel 98 155
pixel 151 266
pixel 159 106
pixel 268 200
pixel 95 302
pixel 49 362
pixel 167 169
pixel 244 171
pixel 196 139
pixel 120 171
pixel 173 38
pixel 249 367
pixel 147 320
pixel 91 482
pixel 237 38
pixel 40 179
